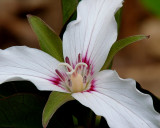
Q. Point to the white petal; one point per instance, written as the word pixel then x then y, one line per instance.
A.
pixel 120 102
pixel 20 62
pixel 93 33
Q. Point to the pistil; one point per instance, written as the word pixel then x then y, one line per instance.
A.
pixel 77 83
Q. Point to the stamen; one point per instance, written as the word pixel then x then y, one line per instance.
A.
pixel 75 79
pixel 89 69
pixel 79 58
pixel 60 75
pixel 69 83
pixel 84 79
pixel 68 61
pixel 79 61
pixel 80 64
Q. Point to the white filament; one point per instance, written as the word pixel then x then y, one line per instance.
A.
pixel 68 66
pixel 79 64
pixel 72 70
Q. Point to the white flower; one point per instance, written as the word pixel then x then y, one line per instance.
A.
pixel 86 44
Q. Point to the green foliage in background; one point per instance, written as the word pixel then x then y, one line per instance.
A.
pixel 68 8
pixel 20 111
pixel 118 18
pixel 49 41
pixel 118 45
pixel 55 100
pixel 152 5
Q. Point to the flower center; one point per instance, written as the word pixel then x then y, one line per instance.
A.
pixel 74 80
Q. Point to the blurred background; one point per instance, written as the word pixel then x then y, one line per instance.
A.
pixel 140 61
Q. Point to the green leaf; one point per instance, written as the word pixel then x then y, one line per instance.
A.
pixel 118 18
pixel 55 100
pixel 118 45
pixel 49 41
pixel 152 5
pixel 21 111
pixel 68 8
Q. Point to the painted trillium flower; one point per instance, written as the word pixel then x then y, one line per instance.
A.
pixel 86 44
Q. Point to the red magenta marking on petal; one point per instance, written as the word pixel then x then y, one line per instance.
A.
pixel 92 72
pixel 86 60
pixel 85 57
pixel 56 81
pixel 90 67
pixel 92 87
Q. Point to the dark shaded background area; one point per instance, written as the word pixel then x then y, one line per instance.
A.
pixel 140 61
